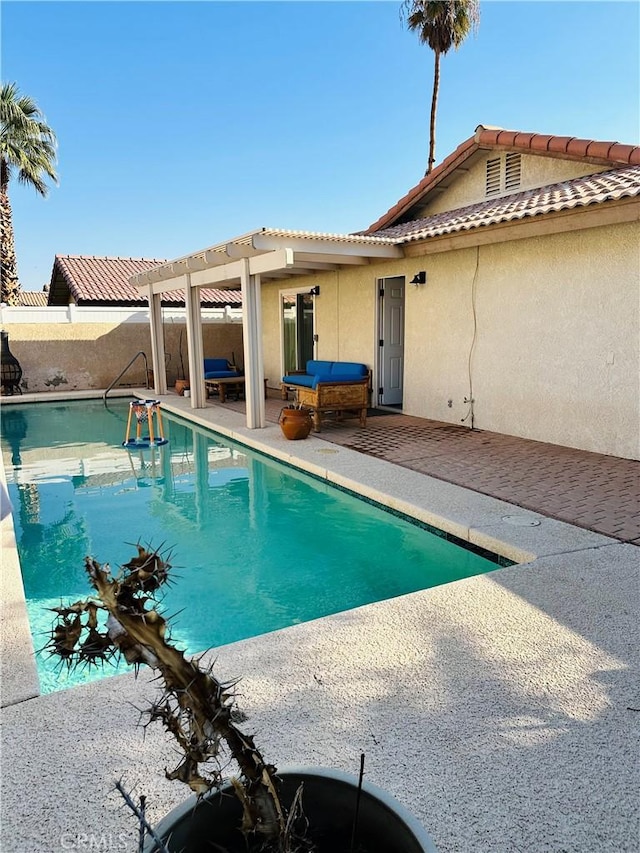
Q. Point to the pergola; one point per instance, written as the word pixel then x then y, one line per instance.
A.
pixel 264 255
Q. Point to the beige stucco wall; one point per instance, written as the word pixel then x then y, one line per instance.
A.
pixel 568 310
pixel 556 351
pixel 537 171
pixel 82 356
pixel 556 355
pixel 344 317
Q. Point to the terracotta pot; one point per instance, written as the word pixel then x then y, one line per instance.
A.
pixel 295 423
pixel 181 385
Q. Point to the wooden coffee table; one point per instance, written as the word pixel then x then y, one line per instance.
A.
pixel 229 384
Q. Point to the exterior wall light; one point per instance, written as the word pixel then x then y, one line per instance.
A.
pixel 419 278
pixel 315 291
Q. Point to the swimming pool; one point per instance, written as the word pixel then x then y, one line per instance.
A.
pixel 256 545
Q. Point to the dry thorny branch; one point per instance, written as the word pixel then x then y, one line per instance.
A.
pixel 194 706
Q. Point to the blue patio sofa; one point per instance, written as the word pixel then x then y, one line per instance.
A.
pixel 219 368
pixel 330 386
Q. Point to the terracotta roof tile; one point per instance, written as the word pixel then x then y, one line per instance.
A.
pixel 578 147
pixel 540 142
pixel 599 149
pixel 105 280
pixel 506 137
pixel 559 144
pixel 523 140
pixel 578 192
pixel 630 153
pixel 487 138
pixel 33 298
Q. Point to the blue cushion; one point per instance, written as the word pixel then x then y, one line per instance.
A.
pixel 299 379
pixel 350 368
pixel 314 367
pixel 211 364
pixel 221 374
pixel 321 377
pixel 337 380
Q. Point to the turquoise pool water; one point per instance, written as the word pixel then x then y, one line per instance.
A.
pixel 256 545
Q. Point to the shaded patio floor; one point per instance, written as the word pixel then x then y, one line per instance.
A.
pixel 590 490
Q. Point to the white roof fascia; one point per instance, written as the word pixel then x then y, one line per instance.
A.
pixel 210 266
pixel 331 259
pixel 315 265
pixel 357 246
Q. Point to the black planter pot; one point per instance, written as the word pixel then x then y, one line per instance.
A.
pixel 329 802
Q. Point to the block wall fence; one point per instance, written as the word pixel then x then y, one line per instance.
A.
pixel 80 349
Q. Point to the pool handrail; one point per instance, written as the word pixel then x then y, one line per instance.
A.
pixel 122 372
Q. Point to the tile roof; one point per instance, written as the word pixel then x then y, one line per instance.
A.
pixel 496 138
pixel 320 236
pixel 577 192
pixel 33 299
pixel 105 281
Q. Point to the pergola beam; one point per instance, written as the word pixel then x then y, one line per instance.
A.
pixel 266 242
pixel 333 259
pixel 240 250
pixel 246 260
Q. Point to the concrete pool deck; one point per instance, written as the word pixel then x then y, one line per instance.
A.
pixel 502 709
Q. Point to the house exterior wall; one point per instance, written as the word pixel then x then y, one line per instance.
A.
pixel 344 316
pixel 537 171
pixel 555 356
pixel 81 356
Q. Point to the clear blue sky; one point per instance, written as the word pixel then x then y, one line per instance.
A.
pixel 182 124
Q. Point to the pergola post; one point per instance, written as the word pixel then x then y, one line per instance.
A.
pixel 252 342
pixel 194 344
pixel 157 343
pixel 267 254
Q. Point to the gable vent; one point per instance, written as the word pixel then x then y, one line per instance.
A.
pixel 504 173
pixel 512 171
pixel 493 176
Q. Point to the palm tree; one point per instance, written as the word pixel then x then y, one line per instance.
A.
pixel 442 24
pixel 27 152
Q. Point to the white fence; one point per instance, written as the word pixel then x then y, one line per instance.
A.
pixel 76 314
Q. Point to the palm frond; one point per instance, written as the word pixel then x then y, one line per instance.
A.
pixel 27 143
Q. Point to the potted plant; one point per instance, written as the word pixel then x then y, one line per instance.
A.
pixel 260 809
pixel 295 421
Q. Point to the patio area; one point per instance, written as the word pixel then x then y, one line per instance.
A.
pixel 590 490
pixel 501 709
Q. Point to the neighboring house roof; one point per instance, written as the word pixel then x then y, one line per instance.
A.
pixel 577 192
pixel 496 139
pixel 88 280
pixel 33 298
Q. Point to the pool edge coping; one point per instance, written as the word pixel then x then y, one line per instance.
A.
pixel 20 683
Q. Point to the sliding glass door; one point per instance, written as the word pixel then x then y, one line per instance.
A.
pixel 297 330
